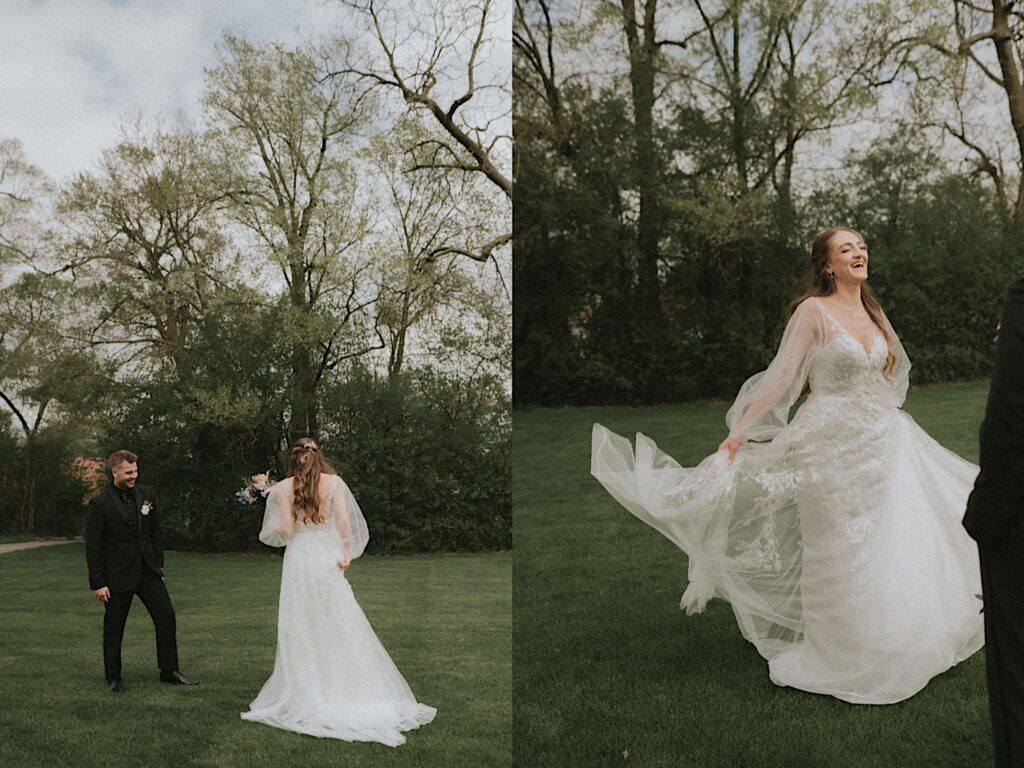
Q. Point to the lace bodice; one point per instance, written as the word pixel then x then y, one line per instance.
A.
pixel 842 366
pixel 817 350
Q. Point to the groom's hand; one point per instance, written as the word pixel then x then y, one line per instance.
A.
pixel 102 594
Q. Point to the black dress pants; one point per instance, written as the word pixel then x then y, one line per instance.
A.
pixel 1002 582
pixel 153 593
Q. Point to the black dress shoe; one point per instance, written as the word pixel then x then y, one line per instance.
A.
pixel 176 678
pixel 115 685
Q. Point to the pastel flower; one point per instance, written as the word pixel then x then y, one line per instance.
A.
pixel 258 486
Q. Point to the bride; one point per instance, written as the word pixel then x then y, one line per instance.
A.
pixel 835 536
pixel 331 677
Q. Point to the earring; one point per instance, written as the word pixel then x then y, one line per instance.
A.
pixel 831 275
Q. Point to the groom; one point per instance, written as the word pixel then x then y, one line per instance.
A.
pixel 125 558
pixel 995 519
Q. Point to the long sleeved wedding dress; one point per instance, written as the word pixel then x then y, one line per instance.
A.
pixel 836 536
pixel 332 677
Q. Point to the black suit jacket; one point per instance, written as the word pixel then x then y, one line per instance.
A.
pixel 995 509
pixel 118 540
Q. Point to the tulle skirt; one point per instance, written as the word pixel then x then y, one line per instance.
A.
pixel 838 544
pixel 332 677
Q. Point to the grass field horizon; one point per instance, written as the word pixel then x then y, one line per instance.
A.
pixel 445 620
pixel 609 671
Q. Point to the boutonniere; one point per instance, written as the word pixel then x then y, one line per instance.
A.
pixel 146 506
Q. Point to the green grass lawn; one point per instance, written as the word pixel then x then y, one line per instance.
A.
pixel 609 671
pixel 445 619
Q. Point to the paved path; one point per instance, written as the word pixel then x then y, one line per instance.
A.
pixel 5 548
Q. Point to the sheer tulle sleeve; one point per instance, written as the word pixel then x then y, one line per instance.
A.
pixel 350 521
pixel 762 406
pixel 899 379
pixel 278 520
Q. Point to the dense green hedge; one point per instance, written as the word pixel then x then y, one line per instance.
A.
pixel 426 456
pixel 425 453
pixel 58 496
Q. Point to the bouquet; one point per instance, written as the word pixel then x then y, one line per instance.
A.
pixel 256 487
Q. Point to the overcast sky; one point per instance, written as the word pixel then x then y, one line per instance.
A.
pixel 73 68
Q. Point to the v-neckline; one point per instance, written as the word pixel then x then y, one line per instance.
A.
pixel 874 331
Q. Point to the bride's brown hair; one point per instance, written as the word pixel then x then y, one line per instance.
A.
pixel 305 465
pixel 821 284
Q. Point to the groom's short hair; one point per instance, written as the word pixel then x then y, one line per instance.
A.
pixel 121 457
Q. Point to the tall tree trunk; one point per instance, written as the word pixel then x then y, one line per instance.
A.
pixel 642 53
pixel 398 346
pixel 739 109
pixel 26 511
pixel 1006 52
pixel 784 188
pixel 303 421
pixel 304 418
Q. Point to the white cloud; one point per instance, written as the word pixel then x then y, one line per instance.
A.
pixel 73 70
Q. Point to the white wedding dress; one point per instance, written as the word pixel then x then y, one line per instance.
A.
pixel 332 677
pixel 836 536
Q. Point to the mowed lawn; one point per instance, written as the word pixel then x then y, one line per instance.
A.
pixel 445 619
pixel 609 671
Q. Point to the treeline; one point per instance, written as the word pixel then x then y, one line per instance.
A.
pixel 318 253
pixel 674 161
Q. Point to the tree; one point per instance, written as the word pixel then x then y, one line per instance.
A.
pixel 774 74
pixel 1004 27
pixel 449 76
pixel 751 107
pixel 23 186
pixel 42 374
pixel 146 242
pixel 290 129
pixel 533 68
pixel 428 222
pixel 206 295
pixel 642 48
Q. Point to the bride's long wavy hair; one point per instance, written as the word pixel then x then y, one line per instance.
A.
pixel 305 465
pixel 820 284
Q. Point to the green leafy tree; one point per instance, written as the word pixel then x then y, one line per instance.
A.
pixel 290 130
pixel 46 383
pixel 145 242
pixel 23 187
